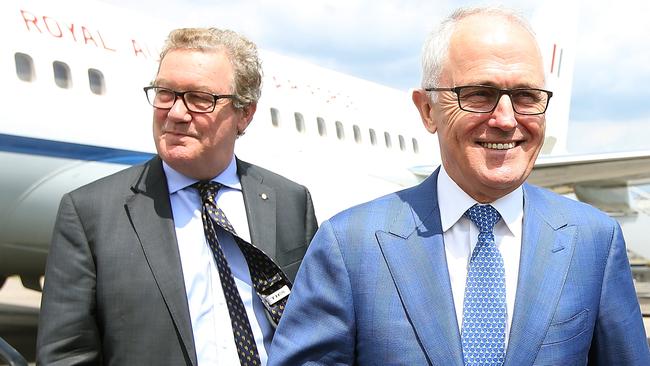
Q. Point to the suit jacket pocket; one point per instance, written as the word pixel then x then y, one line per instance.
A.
pixel 567 329
pixel 566 342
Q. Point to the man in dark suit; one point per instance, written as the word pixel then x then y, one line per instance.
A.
pixel 473 266
pixel 154 265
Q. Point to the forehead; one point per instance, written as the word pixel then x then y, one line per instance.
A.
pixel 187 69
pixel 495 50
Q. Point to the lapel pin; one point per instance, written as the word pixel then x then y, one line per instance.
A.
pixel 264 196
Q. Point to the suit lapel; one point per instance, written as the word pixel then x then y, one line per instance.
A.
pixel 151 216
pixel 260 202
pixel 415 254
pixel 548 243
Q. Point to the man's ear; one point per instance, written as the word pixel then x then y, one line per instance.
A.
pixel 425 107
pixel 247 116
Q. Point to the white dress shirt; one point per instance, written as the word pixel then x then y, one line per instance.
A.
pixel 460 237
pixel 211 326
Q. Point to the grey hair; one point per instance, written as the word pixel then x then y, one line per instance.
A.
pixel 436 47
pixel 241 52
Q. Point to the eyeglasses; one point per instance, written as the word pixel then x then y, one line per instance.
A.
pixel 484 99
pixel 195 101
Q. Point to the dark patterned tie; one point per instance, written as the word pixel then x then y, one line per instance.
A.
pixel 270 283
pixel 484 307
pixel 244 339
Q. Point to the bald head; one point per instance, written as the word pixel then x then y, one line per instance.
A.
pixel 484 43
pixel 435 51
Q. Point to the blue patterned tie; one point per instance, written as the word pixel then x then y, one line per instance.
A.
pixel 484 308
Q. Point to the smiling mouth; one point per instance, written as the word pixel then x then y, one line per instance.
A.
pixel 498 146
pixel 177 134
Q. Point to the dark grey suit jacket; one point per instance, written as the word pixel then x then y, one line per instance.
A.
pixel 114 291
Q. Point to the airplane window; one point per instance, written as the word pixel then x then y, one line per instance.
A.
pixel 62 76
pixel 96 81
pixel 24 67
pixel 275 117
pixel 416 148
pixel 402 143
pixel 389 143
pixel 373 136
pixel 322 128
pixel 339 130
pixel 300 122
pixel 357 134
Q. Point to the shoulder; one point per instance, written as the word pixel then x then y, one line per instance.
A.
pixel 267 177
pixel 573 211
pixel 419 200
pixel 120 181
pixel 380 213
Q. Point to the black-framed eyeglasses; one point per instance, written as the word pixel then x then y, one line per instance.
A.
pixel 195 101
pixel 484 99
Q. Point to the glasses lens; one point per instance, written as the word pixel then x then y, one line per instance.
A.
pixel 160 98
pixel 478 99
pixel 199 101
pixel 529 101
pixel 483 99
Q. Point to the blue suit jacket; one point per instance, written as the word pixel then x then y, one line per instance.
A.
pixel 374 289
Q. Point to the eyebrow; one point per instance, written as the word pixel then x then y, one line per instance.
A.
pixel 495 85
pixel 163 83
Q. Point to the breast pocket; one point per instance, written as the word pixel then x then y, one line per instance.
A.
pixel 566 342
pixel 567 329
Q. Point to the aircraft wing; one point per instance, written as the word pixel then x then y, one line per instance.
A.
pixel 562 173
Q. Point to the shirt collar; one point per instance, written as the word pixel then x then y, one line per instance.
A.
pixel 177 181
pixel 453 202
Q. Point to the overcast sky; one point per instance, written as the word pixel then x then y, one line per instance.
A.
pixel 380 40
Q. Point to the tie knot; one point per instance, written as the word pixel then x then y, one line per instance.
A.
pixel 207 189
pixel 484 217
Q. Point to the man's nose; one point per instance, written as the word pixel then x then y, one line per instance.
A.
pixel 504 114
pixel 178 110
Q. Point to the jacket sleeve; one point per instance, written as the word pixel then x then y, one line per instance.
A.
pixel 318 325
pixel 311 225
pixel 67 330
pixel 619 336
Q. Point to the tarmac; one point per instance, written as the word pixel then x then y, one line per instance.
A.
pixel 19 317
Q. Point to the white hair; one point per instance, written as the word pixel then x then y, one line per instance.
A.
pixel 436 48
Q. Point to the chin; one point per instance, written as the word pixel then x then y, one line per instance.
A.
pixel 504 178
pixel 178 154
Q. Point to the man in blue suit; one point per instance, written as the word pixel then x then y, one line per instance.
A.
pixel 473 266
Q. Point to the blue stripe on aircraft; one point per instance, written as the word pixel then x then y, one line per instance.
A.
pixel 67 150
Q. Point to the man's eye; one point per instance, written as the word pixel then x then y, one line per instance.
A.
pixel 530 96
pixel 164 96
pixel 201 99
